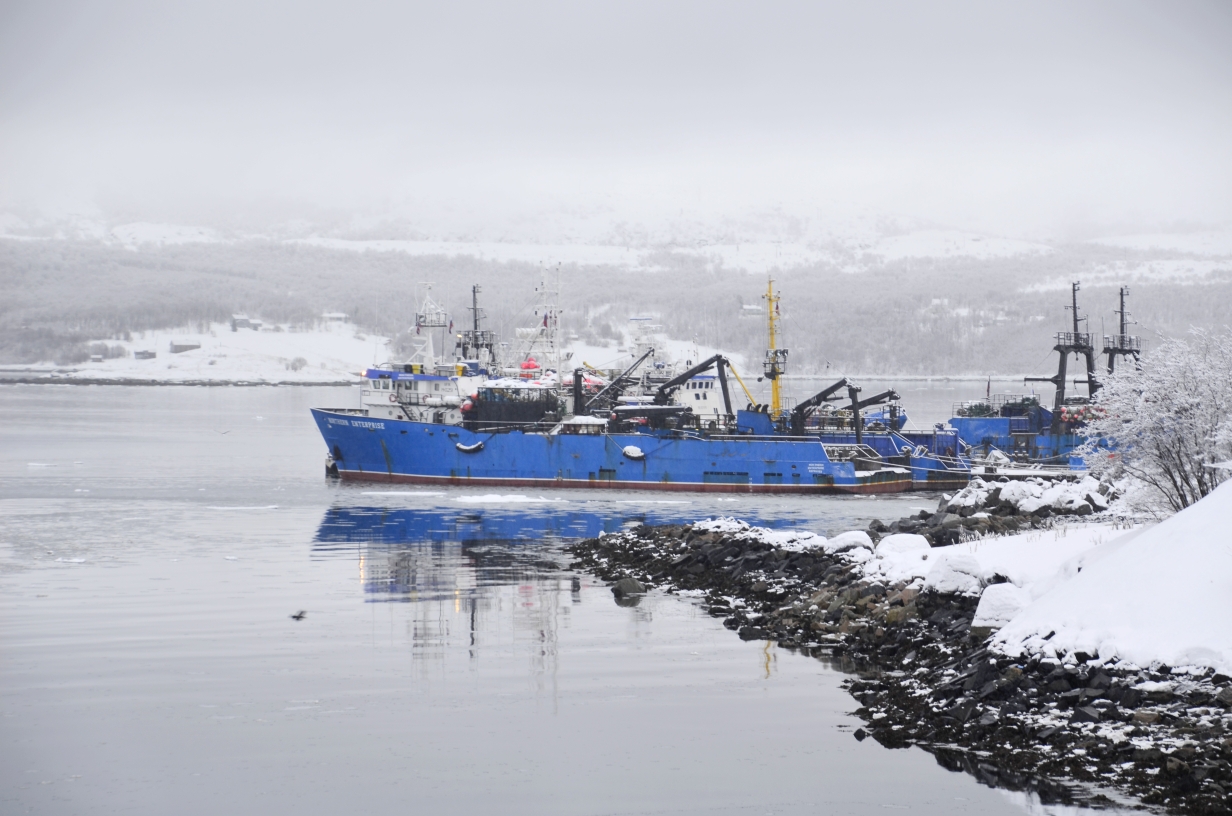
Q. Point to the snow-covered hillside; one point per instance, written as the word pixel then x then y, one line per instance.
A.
pixel 334 352
pixel 1215 242
pixel 932 243
pixel 754 242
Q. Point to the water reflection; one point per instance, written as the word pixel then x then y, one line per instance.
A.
pixel 392 525
pixel 493 584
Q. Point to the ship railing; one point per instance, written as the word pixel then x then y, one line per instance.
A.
pixel 1122 342
pixel 996 406
pixel 1074 339
pixel 507 427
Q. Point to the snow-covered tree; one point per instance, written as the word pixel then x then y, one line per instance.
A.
pixel 1169 419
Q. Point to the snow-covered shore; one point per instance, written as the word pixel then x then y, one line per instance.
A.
pixel 330 353
pixel 1107 680
pixel 1137 596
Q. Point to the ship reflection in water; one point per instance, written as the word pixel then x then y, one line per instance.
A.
pixel 494 575
pixel 474 579
pixel 508 647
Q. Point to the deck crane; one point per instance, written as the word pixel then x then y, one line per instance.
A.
pixel 804 409
pixel 718 362
pixel 616 386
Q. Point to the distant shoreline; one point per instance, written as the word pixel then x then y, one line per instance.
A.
pixel 190 383
pixel 47 380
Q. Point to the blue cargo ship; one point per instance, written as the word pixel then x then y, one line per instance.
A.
pixel 574 453
pixel 474 422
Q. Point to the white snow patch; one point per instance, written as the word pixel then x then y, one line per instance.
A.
pixel 724 524
pixel 951 243
pixel 1031 560
pixel 999 604
pixel 1196 243
pixel 141 232
pixel 791 540
pixel 899 558
pixel 849 541
pixel 331 352
pixel 1161 594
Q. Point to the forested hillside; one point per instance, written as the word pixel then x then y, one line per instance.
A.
pixel 908 316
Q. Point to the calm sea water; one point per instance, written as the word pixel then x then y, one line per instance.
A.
pixel 155 541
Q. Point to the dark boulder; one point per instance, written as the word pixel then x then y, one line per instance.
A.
pixel 1085 714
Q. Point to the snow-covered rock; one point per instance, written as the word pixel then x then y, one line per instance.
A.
pixel 960 573
pixel 999 604
pixel 723 524
pixel 849 541
pixel 900 558
pixel 901 544
pixel 792 540
pixel 1029 495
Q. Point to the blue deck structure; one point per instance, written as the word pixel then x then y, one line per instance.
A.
pixel 1022 429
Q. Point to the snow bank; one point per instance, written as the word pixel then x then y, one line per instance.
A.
pixel 999 604
pixel 334 352
pixel 1163 594
pixel 1030 561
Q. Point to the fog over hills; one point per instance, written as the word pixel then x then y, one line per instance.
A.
pixel 904 300
pixel 923 182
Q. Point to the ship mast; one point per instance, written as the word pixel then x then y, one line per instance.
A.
pixel 1123 344
pixel 776 358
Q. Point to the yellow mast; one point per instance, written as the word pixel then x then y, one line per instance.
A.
pixel 775 356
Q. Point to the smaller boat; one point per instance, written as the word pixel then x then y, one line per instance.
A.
pixel 1016 433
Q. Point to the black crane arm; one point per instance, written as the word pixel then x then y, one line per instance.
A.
pixel 665 391
pixel 720 363
pixel 617 384
pixel 884 396
pixel 803 409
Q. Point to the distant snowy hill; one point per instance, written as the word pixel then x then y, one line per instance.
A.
pixel 756 242
pixel 334 352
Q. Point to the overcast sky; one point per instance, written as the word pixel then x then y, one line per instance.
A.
pixel 1024 118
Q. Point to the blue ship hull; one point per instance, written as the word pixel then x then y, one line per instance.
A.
pixel 399 451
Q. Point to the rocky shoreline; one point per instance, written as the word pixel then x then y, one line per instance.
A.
pixel 1076 732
